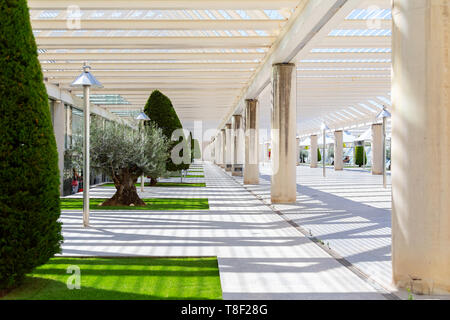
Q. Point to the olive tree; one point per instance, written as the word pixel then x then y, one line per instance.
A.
pixel 125 154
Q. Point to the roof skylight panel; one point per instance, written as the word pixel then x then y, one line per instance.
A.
pixel 274 14
pixel 376 104
pixel 365 106
pixel 385 100
pixel 366 14
pixel 243 14
pixel 356 110
pixel 349 113
pixel 49 14
pixel 210 15
pixel 224 14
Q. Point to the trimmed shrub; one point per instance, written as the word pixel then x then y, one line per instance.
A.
pixel 30 233
pixel 319 155
pixel 359 155
pixel 195 145
pixel 160 110
pixel 195 148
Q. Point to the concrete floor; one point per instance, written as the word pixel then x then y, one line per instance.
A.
pixel 261 256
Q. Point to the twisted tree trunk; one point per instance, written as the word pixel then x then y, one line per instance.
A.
pixel 153 181
pixel 126 193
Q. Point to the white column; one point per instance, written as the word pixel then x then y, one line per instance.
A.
pixel 251 164
pixel 222 148
pixel 313 151
pixel 338 150
pixel 218 149
pixel 228 151
pixel 284 121
pixel 377 149
pixel 59 117
pixel 237 147
pixel 421 145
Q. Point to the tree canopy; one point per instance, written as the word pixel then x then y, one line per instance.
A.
pixel 160 110
pixel 125 154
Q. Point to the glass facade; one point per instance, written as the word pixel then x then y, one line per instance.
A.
pixel 73 162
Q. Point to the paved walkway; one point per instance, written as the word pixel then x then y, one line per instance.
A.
pixel 349 210
pixel 260 255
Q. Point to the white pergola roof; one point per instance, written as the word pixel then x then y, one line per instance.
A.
pixel 199 53
pixel 208 56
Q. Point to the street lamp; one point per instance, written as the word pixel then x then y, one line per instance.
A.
pixel 384 114
pixel 142 117
pixel 324 128
pixel 86 80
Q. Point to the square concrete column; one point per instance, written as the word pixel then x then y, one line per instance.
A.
pixel 284 133
pixel 222 148
pixel 216 150
pixel 421 145
pixel 313 151
pixel 338 150
pixel 251 161
pixel 228 149
pixel 297 143
pixel 59 117
pixel 377 149
pixel 237 147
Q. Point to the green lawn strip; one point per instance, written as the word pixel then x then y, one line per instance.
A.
pixel 189 176
pixel 123 279
pixel 165 184
pixel 152 204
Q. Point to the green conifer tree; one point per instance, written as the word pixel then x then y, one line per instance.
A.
pixel 30 233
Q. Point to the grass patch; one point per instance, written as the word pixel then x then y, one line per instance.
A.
pixel 152 204
pixel 178 184
pixel 123 279
pixel 165 184
pixel 190 176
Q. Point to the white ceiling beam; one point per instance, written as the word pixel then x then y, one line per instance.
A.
pixel 157 24
pixel 173 81
pixel 161 4
pixel 236 74
pixel 342 73
pixel 150 66
pixel 342 56
pixel 134 56
pixel 345 65
pixel 186 88
pixel 135 86
pixel 116 42
pixel 355 42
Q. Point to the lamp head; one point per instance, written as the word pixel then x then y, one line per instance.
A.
pixel 86 79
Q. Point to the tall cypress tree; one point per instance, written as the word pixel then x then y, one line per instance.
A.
pixel 29 177
pixel 160 110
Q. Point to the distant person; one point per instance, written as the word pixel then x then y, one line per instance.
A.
pixel 347 159
pixel 75 183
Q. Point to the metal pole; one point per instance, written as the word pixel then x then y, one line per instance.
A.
pixel 86 172
pixel 142 133
pixel 323 156
pixel 384 152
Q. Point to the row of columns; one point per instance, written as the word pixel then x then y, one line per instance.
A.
pixel 377 150
pixel 420 144
pixel 238 142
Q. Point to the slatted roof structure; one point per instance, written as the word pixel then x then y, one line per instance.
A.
pixel 208 56
pixel 199 53
pixel 345 77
